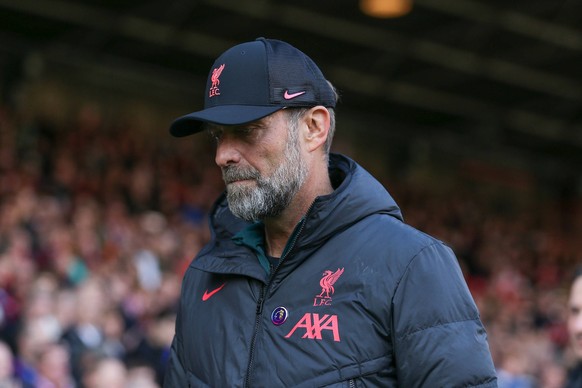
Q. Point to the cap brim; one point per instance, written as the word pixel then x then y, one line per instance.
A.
pixel 221 115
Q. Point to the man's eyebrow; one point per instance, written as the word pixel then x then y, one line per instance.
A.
pixel 255 125
pixel 260 123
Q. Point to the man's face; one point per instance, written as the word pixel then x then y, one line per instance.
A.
pixel 575 317
pixel 262 166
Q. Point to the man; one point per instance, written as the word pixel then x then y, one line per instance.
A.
pixel 574 379
pixel 311 278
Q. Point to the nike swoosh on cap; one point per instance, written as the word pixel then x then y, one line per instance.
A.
pixel 288 96
pixel 207 294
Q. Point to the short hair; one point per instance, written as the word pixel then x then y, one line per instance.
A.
pixel 331 132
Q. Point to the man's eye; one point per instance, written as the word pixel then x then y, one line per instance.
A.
pixel 244 131
pixel 215 133
pixel 241 132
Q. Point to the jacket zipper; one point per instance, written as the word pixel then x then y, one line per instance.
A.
pixel 259 311
pixel 260 302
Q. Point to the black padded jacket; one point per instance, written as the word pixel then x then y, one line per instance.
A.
pixel 359 299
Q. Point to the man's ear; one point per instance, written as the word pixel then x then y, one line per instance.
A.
pixel 317 120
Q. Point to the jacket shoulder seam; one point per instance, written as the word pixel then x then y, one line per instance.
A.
pixel 439 325
pixel 412 259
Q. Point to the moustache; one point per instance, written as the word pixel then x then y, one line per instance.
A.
pixel 233 174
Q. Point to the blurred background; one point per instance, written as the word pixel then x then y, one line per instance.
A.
pixel 469 111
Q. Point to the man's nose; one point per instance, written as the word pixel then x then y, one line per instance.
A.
pixel 227 152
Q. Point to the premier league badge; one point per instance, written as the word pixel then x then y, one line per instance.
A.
pixel 279 315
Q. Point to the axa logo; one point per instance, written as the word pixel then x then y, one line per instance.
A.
pixel 214 90
pixel 327 290
pixel 312 326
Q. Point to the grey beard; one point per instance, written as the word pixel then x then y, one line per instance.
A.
pixel 272 194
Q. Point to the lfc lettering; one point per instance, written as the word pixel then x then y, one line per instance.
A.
pixel 214 91
pixel 321 301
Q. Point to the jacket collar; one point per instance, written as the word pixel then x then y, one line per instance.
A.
pixel 356 195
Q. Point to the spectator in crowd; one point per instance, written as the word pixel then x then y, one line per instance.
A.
pixel 575 330
pixel 7 375
pixel 85 337
pixel 108 372
pixel 53 366
pixel 141 376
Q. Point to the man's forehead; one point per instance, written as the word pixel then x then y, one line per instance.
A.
pixel 260 123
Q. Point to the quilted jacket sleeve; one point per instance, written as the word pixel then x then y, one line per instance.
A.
pixel 439 340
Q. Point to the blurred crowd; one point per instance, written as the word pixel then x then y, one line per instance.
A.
pixel 98 223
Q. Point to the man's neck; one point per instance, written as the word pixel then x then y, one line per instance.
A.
pixel 279 229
